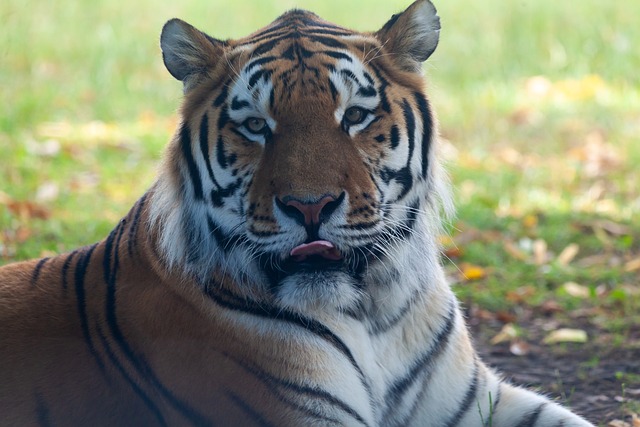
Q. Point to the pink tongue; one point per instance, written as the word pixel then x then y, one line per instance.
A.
pixel 319 247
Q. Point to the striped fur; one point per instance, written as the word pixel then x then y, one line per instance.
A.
pixel 198 308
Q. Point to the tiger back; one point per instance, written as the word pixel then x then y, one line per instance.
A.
pixel 283 270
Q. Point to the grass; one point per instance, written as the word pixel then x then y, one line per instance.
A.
pixel 87 107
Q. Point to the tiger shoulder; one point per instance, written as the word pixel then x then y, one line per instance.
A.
pixel 283 269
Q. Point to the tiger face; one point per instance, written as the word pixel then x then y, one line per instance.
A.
pixel 307 149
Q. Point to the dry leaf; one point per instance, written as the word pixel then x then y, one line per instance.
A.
pixel 539 251
pixel 27 210
pixel 632 265
pixel 514 251
pixel 47 192
pixel 472 272
pixel 566 335
pixel 568 254
pixel 521 294
pixel 530 221
pixel 576 290
pixel 618 423
pixel 507 333
pixel 519 348
pixel 453 252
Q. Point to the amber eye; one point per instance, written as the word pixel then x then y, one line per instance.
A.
pixel 256 125
pixel 354 116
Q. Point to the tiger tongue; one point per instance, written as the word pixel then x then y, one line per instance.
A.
pixel 322 248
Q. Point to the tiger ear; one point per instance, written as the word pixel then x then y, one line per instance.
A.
pixel 188 52
pixel 411 36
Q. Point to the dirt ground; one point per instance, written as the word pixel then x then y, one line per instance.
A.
pixel 600 381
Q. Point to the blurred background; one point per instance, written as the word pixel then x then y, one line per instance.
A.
pixel 539 108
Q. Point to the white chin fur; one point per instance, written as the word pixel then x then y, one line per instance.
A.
pixel 308 292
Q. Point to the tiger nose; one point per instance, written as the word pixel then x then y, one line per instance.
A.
pixel 309 213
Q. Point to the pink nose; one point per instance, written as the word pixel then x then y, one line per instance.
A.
pixel 310 213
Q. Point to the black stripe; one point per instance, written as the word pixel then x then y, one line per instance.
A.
pixel 394 137
pixel 223 94
pixel 421 364
pixel 266 47
pixel 531 419
pixel 108 249
pixel 252 413
pixel 226 243
pixel 350 75
pixel 381 327
pixel 65 268
pixel 337 55
pixel 367 92
pixel 269 32
pixel 218 196
pixel 427 125
pixel 80 274
pixel 194 173
pixel 238 104
pixel 260 61
pixel 327 41
pixel 314 394
pixel 133 228
pixel 469 398
pixel 204 146
pixel 265 74
pixel 410 121
pixel 220 154
pixel 382 90
pixel 235 303
pixel 134 385
pixel 37 270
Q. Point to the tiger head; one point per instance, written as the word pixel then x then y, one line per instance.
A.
pixel 304 158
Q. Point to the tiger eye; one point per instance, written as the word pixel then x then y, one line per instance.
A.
pixel 255 125
pixel 354 115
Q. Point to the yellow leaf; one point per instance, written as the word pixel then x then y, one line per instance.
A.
pixel 507 333
pixel 576 290
pixel 530 221
pixel 568 254
pixel 566 335
pixel 472 272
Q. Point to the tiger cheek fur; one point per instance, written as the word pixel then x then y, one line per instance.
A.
pixel 284 268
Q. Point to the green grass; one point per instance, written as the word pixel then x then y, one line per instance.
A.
pixel 86 80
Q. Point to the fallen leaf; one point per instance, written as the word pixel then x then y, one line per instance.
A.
pixel 453 252
pixel 539 252
pixel 514 251
pixel 565 335
pixel 530 221
pixel 507 333
pixel 505 317
pixel 27 210
pixel 47 192
pixel 632 265
pixel 521 294
pixel 576 290
pixel 472 272
pixel 551 306
pixel 568 254
pixel 618 423
pixel 519 348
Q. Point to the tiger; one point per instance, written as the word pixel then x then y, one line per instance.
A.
pixel 284 268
